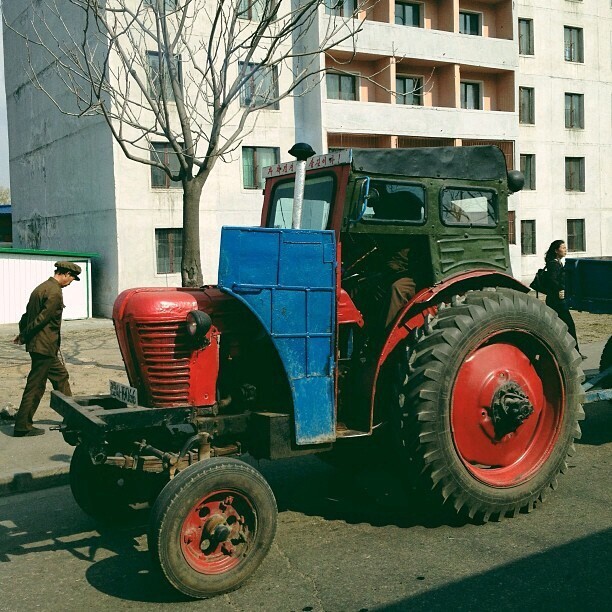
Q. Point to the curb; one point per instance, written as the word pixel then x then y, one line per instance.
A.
pixel 34 480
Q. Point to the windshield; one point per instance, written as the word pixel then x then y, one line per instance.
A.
pixel 318 197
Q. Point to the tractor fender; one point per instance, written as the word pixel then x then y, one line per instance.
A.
pixel 424 305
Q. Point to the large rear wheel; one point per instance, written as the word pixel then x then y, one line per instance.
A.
pixel 212 526
pixel 491 405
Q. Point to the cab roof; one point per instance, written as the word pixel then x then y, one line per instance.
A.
pixel 479 163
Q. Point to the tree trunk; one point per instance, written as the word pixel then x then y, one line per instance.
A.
pixel 191 264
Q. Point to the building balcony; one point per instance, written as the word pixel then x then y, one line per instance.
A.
pixel 390 40
pixel 417 121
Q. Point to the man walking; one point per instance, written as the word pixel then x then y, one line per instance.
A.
pixel 39 330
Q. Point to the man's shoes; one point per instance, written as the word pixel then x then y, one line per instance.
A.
pixel 35 431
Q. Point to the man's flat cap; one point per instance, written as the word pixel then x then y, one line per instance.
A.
pixel 69 266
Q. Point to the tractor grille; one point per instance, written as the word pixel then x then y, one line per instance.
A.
pixel 166 352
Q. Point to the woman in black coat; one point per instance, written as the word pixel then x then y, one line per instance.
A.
pixel 555 297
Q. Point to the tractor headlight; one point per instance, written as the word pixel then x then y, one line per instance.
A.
pixel 198 323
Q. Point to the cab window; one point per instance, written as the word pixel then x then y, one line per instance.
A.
pixel 395 203
pixel 468 207
pixel 318 197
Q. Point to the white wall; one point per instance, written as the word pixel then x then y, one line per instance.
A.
pixel 20 273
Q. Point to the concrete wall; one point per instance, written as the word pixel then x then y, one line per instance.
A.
pixel 61 167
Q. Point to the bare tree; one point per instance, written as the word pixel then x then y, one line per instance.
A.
pixel 188 73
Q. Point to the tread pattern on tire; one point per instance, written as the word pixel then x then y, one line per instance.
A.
pixel 420 423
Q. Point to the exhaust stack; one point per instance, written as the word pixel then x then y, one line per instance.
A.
pixel 301 151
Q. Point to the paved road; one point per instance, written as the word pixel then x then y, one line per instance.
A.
pixel 343 544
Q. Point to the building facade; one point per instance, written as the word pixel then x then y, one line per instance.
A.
pixel 430 73
pixel 565 128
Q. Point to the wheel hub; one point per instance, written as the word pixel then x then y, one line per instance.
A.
pixel 217 532
pixel 504 423
pixel 510 406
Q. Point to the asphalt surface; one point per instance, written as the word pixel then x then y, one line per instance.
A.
pixel 344 543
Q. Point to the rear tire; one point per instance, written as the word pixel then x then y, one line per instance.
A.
pixel 212 526
pixel 490 409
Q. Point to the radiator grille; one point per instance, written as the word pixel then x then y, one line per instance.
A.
pixel 166 352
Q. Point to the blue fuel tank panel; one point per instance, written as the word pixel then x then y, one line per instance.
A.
pixel 288 279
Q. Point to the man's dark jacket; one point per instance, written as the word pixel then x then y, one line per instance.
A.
pixel 40 326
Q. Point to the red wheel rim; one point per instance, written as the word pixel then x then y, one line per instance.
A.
pixel 510 459
pixel 218 531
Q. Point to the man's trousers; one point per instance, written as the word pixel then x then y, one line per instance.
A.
pixel 43 368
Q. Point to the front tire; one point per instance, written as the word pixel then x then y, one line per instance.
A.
pixel 491 404
pixel 103 492
pixel 212 526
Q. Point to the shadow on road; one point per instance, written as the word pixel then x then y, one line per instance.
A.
pixel 119 562
pixel 374 495
pixel 577 573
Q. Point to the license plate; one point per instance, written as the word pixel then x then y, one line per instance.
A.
pixel 124 393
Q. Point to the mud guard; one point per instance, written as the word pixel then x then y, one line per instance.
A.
pixel 287 278
pixel 424 303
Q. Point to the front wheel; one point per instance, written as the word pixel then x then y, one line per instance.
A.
pixel 491 404
pixel 105 493
pixel 212 526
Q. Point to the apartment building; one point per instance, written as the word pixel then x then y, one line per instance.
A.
pixel 429 73
pixel 565 133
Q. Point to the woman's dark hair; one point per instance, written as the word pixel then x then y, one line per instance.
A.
pixel 552 250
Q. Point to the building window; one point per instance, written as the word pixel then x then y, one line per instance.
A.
pixel 169 250
pixel 470 95
pixel 261 86
pixel 526 36
pixel 526 105
pixel 528 237
pixel 163 153
pixel 408 14
pixel 341 8
pixel 253 160
pixel 160 82
pixel 528 168
pixel 575 235
pixel 574 111
pixel 252 10
pixel 469 23
pixel 574 47
pixel 409 90
pixel 574 174
pixel 341 86
pixel 511 227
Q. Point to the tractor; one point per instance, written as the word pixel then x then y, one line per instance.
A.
pixel 316 340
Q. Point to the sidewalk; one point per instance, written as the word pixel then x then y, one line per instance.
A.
pixel 39 462
pixel 92 357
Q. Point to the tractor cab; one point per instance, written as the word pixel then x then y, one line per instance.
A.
pixel 448 205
